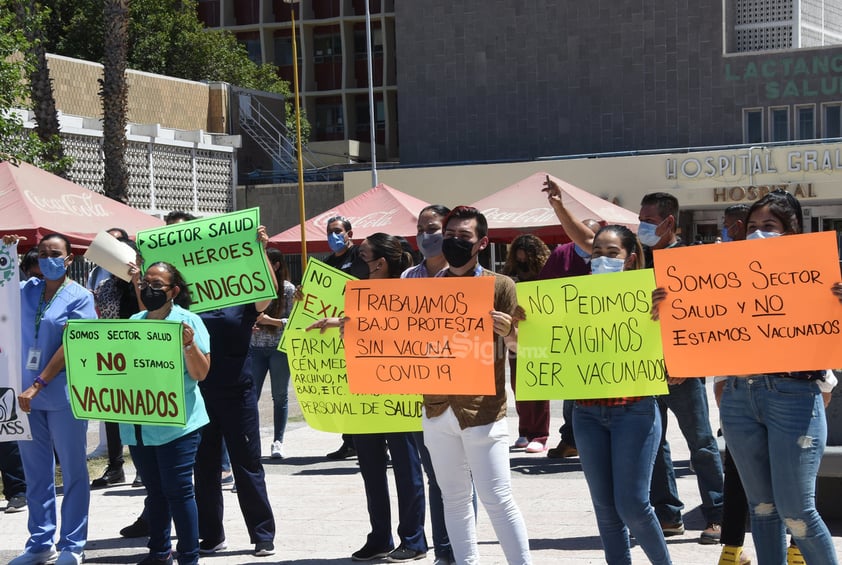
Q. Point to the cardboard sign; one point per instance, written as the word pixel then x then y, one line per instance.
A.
pixel 324 296
pixel 129 371
pixel 422 336
pixel 589 337
pixel 219 257
pixel 317 367
pixel 751 307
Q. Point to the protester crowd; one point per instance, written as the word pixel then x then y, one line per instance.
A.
pixel 464 448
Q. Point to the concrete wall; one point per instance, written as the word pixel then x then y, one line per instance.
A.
pixel 495 79
pixel 152 99
pixel 278 203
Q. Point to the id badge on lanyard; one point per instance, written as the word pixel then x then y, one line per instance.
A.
pixel 33 359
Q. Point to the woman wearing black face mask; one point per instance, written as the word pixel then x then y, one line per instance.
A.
pixel 386 259
pixel 164 455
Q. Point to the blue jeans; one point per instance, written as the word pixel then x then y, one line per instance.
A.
pixel 776 432
pixel 689 402
pixel 441 543
pixel 269 359
pixel 409 482
pixel 167 472
pixel 617 446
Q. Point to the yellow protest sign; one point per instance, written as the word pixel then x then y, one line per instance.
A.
pixel 129 371
pixel 318 373
pixel 323 288
pixel 219 257
pixel 317 366
pixel 423 336
pixel 589 337
pixel 750 307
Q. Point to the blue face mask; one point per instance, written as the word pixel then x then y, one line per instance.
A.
pixel 602 265
pixel 757 234
pixel 336 242
pixel 53 268
pixel 646 234
pixel 582 253
pixel 725 236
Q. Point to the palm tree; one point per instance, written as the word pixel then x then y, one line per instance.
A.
pixel 114 94
pixel 41 87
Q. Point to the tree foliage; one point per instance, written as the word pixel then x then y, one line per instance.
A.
pixel 165 37
pixel 16 142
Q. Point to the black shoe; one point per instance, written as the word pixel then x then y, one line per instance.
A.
pixel 264 548
pixel 137 482
pixel 403 553
pixel 344 452
pixel 111 476
pixel 152 560
pixel 368 553
pixel 140 529
pixel 206 547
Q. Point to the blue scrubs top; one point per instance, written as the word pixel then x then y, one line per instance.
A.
pixel 194 404
pixel 71 302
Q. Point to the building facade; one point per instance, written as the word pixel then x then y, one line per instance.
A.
pixel 503 80
pixel 332 62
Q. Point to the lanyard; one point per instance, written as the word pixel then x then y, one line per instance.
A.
pixel 42 308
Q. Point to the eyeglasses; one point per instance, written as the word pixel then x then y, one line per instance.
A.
pixel 143 285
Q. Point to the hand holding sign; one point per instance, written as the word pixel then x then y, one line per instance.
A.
pixel 751 306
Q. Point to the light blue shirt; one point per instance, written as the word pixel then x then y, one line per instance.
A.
pixel 194 404
pixel 71 302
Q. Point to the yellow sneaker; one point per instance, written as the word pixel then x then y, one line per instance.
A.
pixel 794 557
pixel 733 555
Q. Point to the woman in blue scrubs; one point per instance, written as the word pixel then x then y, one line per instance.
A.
pixel 46 306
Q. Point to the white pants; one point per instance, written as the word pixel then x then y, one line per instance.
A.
pixel 480 453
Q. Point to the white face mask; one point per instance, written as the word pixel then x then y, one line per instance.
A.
pixel 646 234
pixel 602 265
pixel 758 234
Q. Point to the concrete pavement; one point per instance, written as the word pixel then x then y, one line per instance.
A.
pixel 321 513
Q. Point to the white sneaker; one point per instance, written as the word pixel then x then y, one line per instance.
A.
pixel 45 557
pixel 70 558
pixel 277 450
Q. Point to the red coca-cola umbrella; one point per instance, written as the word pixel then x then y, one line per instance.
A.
pixel 381 209
pixel 34 203
pixel 523 208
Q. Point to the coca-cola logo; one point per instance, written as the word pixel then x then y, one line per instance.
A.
pixel 68 204
pixel 372 220
pixel 531 217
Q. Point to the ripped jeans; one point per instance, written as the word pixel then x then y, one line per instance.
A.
pixel 776 431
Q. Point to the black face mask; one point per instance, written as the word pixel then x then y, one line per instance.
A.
pixel 523 266
pixel 359 269
pixel 457 251
pixel 153 299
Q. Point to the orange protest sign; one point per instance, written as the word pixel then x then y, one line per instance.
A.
pixel 420 336
pixel 750 307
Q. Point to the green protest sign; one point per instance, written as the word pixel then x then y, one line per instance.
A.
pixel 129 371
pixel 589 337
pixel 220 258
pixel 317 367
pixel 323 288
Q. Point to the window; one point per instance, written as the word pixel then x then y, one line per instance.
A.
pixel 832 122
pixel 805 126
pixel 753 125
pixel 779 124
pixel 283 51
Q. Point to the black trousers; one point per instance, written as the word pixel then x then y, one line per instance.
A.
pixel 233 415
pixel 11 469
